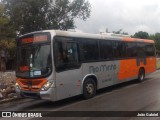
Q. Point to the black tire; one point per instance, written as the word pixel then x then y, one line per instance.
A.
pixel 89 88
pixel 141 75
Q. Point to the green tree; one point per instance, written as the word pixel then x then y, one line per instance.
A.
pixel 7 35
pixel 6 29
pixel 141 34
pixel 120 32
pixel 33 15
pixel 156 38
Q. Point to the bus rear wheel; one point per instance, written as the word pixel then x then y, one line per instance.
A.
pixel 141 75
pixel 89 88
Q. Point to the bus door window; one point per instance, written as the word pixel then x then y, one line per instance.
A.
pixel 72 53
pixel 66 55
pixel 60 53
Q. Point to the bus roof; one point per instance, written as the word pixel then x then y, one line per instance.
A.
pixel 93 36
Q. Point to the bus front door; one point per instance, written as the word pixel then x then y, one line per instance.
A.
pixel 68 70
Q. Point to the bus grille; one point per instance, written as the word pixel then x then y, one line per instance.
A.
pixel 31 84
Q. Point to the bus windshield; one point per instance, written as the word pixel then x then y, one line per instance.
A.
pixel 34 60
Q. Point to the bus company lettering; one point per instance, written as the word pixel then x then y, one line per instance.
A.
pixel 102 68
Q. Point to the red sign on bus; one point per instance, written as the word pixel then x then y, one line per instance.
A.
pixel 24 68
pixel 39 38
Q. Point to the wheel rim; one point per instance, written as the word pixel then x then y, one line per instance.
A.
pixel 90 88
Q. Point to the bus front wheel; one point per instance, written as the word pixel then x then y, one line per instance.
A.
pixel 141 75
pixel 89 88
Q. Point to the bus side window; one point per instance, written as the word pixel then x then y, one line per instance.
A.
pixel 150 49
pixel 119 49
pixel 131 50
pixel 106 52
pixel 141 50
pixel 90 50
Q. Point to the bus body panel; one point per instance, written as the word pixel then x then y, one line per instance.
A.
pixel 68 83
pixel 151 65
pixel 50 94
pixel 128 69
pixel 104 71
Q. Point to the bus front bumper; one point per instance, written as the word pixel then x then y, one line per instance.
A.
pixel 44 95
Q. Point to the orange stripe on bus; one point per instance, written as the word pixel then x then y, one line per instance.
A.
pixel 129 39
pixel 149 41
pixel 137 40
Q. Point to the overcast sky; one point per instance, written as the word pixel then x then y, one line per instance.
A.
pixel 130 15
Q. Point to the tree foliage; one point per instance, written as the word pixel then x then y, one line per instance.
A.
pixel 33 15
pixel 120 32
pixel 7 35
pixel 156 38
pixel 6 29
pixel 141 34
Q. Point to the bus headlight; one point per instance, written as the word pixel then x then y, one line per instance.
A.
pixel 17 86
pixel 47 85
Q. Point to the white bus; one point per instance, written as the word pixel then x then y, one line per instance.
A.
pixel 55 65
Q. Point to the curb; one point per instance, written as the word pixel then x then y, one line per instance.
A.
pixel 9 100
